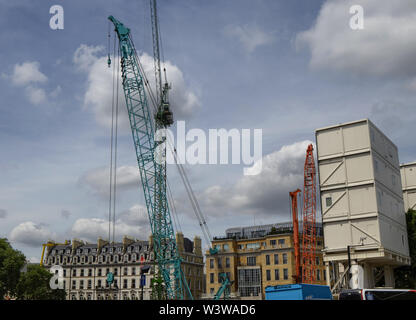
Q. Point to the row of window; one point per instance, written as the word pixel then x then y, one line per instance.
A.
pixel 101 259
pixel 252 261
pixel 276 258
pixel 257 245
pixel 247 278
pixel 103 250
pixel 125 296
pixel 277 274
pixel 81 284
pixel 103 272
pixel 211 277
pixel 254 246
pixel 219 262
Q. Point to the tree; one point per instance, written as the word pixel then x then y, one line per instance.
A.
pixel 34 285
pixel 273 230
pixel 11 262
pixel 406 276
pixel 157 286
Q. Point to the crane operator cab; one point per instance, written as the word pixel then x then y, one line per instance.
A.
pixel 165 116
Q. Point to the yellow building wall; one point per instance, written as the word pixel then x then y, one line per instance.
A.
pixel 238 252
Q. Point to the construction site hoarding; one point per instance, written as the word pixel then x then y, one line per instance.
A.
pixel 361 194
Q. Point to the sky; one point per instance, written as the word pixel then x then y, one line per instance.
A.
pixel 285 67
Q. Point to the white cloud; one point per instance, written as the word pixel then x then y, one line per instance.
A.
pixel 3 213
pixel 36 95
pixel 99 179
pixel 250 37
pixel 136 215
pixel 56 92
pixel 133 223
pixel 98 96
pixel 86 56
pixel 31 234
pixel 263 194
pixel 27 73
pixel 34 260
pixel 29 76
pixel 385 46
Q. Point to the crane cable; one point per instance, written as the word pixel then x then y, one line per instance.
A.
pixel 185 180
pixel 191 195
pixel 113 139
pixel 115 144
pixel 172 205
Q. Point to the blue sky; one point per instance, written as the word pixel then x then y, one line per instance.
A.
pixel 287 67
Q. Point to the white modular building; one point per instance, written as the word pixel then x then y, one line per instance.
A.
pixel 361 198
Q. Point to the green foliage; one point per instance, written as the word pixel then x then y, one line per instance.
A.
pixel 273 230
pixel 34 285
pixel 11 261
pixel 157 287
pixel 406 276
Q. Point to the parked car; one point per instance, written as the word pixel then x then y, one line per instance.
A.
pixel 378 294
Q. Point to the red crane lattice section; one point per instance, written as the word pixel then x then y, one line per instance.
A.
pixel 309 219
pixel 294 198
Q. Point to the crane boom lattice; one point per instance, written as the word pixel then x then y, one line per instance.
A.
pixel 152 166
pixel 309 219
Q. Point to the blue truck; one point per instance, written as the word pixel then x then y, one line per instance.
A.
pixel 301 291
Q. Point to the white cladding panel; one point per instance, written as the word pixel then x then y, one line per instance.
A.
pixel 343 234
pixel 394 236
pixel 387 175
pixel 383 146
pixel 344 171
pixel 408 175
pixel 360 187
pixel 359 168
pixel 389 205
pixel 330 143
pixel 356 137
pixel 358 200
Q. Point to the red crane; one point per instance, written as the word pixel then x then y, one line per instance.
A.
pixel 294 197
pixel 309 219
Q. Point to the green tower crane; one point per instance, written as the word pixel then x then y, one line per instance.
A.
pixel 151 154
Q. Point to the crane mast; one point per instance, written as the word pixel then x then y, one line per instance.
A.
pixel 152 168
pixel 294 198
pixel 309 219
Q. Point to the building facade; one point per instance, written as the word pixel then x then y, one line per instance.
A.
pixel 256 257
pixel 361 199
pixel 86 265
pixel 408 173
pixel 192 263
